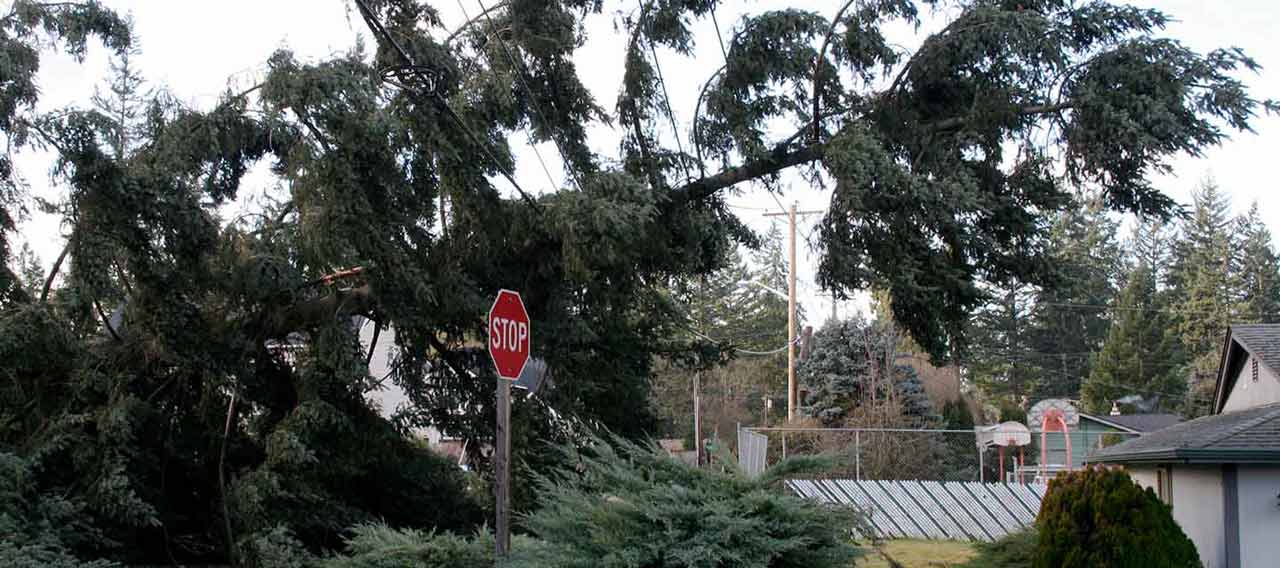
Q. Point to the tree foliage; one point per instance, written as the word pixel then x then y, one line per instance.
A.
pixel 194 383
pixel 855 363
pixel 622 504
pixel 1100 517
pixel 1141 356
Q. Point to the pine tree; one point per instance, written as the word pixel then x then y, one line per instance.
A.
pixel 1141 355
pixel 123 102
pixel 854 363
pixel 1001 361
pixel 1203 266
pixel 1258 296
pixel 191 431
pixel 1069 320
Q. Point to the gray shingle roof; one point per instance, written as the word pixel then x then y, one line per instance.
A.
pixel 1246 436
pixel 1262 340
pixel 1145 422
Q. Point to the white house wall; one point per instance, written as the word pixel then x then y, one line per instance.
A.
pixel 1247 393
pixel 1259 488
pixel 390 396
pixel 1197 507
pixel 1144 476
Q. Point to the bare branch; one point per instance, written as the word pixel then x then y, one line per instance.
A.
pixel 468 23
pixel 954 122
pixel 778 160
pixel 53 272
pixel 817 67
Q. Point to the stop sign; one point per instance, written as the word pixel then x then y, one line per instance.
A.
pixel 509 334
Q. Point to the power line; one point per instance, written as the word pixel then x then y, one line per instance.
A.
pixel 666 99
pixel 533 97
pixel 745 351
pixel 1189 394
pixel 527 132
pixel 1143 309
pixel 418 72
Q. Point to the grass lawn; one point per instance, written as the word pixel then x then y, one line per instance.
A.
pixel 919 554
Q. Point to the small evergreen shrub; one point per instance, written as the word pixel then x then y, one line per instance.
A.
pixel 627 505
pixel 379 546
pixel 1100 518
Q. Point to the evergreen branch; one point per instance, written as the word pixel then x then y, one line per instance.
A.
pixel 353 301
pixel 957 121
pixel 373 344
pixel 777 160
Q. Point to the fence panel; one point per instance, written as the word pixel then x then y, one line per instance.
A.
pixel 752 448
pixel 928 509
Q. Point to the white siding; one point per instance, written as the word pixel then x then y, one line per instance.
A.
pixel 1247 393
pixel 1143 475
pixel 1197 507
pixel 390 396
pixel 1259 516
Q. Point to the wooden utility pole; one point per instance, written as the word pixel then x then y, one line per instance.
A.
pixel 793 390
pixel 697 417
pixel 502 467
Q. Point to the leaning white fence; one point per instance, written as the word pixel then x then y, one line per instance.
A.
pixel 951 510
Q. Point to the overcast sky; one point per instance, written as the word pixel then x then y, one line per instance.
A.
pixel 198 49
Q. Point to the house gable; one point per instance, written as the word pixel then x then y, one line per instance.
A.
pixel 1247 371
pixel 1254 385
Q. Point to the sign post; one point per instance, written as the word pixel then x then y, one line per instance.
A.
pixel 509 338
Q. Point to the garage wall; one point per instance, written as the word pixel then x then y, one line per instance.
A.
pixel 1259 515
pixel 1197 506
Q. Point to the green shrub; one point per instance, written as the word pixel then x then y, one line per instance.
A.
pixel 626 505
pixel 1099 518
pixel 1016 550
pixel 378 546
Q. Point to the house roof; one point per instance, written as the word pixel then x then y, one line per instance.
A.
pixel 1106 421
pixel 1145 422
pixel 1260 340
pixel 1245 436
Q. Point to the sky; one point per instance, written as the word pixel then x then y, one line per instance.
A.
pixel 199 49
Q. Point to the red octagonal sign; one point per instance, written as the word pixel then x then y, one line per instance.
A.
pixel 509 332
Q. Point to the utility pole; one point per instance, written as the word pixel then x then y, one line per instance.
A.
pixel 793 390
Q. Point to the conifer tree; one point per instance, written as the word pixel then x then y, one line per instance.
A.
pixel 1204 263
pixel 1141 354
pixel 123 102
pixel 1258 296
pixel 194 385
pixel 1069 320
